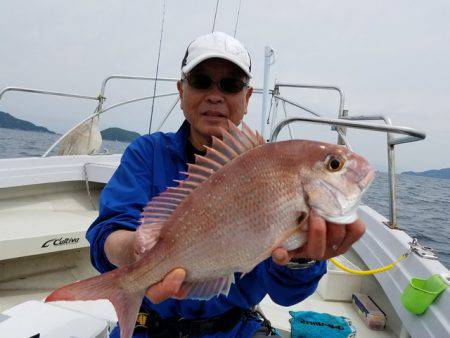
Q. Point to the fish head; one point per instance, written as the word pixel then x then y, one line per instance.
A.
pixel 334 181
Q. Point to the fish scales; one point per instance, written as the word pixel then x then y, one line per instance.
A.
pixel 249 210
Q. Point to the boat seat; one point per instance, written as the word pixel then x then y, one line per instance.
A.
pixel 43 223
pixel 43 232
pixel 45 206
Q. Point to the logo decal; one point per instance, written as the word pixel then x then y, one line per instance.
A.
pixel 60 241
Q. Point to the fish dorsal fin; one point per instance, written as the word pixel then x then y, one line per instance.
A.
pixel 241 140
pixel 234 143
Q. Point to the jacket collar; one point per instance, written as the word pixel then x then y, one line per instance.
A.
pixel 178 148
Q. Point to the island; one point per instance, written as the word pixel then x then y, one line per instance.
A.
pixel 10 122
pixel 119 134
pixel 437 173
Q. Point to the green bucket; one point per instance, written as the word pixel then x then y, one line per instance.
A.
pixel 420 293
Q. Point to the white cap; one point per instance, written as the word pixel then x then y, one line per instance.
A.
pixel 216 45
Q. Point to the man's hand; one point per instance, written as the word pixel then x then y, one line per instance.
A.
pixel 169 287
pixel 325 240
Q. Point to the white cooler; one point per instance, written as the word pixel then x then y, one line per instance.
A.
pixel 50 320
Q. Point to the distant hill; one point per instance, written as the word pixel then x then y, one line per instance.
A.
pixel 118 134
pixel 10 122
pixel 440 173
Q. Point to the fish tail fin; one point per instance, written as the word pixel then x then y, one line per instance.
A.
pixel 106 286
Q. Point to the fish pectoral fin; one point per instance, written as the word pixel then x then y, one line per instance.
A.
pixel 295 235
pixel 296 238
pixel 207 289
pixel 147 235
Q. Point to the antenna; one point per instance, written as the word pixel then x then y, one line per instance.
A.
pixel 157 67
pixel 237 18
pixel 215 15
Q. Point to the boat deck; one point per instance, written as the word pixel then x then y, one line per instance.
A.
pixel 46 199
pixel 279 315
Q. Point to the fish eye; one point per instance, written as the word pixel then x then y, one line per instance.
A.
pixel 335 163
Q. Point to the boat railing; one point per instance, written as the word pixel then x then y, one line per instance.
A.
pixel 340 125
pixel 45 92
pixel 102 97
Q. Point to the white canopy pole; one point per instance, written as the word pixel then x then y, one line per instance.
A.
pixel 268 54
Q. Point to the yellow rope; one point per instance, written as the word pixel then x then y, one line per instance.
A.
pixel 369 272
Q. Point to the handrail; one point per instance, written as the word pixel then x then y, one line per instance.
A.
pixel 136 100
pixel 49 92
pixel 309 110
pixel 130 77
pixel 391 164
pixel 99 112
pixel 62 94
pixel 412 136
pixel 101 98
pixel 341 112
pixel 316 86
pixel 415 134
pixel 339 124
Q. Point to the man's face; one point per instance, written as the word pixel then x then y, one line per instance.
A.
pixel 208 109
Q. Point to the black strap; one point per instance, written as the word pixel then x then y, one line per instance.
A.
pixel 198 327
pixel 180 327
pixel 265 322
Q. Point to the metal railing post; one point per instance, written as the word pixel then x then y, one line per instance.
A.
pixel 343 131
pixel 392 187
pixel 268 53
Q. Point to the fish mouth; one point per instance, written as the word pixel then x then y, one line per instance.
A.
pixel 346 209
pixel 365 182
pixel 346 218
pixel 360 172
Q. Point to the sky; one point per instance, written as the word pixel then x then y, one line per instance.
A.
pixel 389 57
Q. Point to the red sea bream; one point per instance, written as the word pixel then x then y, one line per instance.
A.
pixel 238 203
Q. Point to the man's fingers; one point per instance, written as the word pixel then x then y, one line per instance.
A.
pixel 327 239
pixel 317 232
pixel 336 234
pixel 168 287
pixel 181 294
pixel 353 232
pixel 281 256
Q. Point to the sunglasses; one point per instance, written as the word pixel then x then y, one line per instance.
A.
pixel 227 84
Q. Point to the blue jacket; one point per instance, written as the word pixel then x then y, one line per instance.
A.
pixel 148 166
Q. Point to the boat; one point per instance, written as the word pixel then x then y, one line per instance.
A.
pixel 48 202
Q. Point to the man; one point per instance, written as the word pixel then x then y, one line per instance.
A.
pixel 214 87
